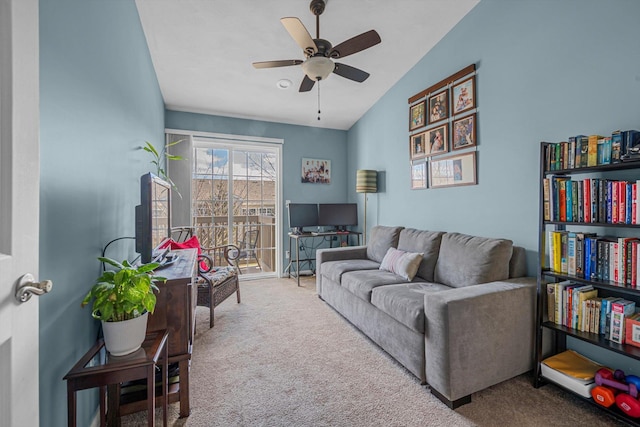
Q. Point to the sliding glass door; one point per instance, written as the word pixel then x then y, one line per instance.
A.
pixel 235 192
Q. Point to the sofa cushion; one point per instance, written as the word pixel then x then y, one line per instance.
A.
pixel 361 283
pixel 468 260
pixel 427 242
pixel 404 264
pixel 381 238
pixel 405 302
pixel 334 270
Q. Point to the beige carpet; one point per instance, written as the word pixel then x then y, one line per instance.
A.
pixel 285 358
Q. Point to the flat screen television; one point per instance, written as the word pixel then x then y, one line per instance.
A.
pixel 153 215
pixel 338 215
pixel 302 215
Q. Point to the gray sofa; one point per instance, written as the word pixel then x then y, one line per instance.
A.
pixel 464 322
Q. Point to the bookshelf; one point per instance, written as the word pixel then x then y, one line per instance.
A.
pixel 550 220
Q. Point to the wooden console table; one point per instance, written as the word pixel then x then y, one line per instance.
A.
pixel 97 368
pixel 175 311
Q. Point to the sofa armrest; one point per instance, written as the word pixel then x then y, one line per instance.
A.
pixel 480 335
pixel 336 254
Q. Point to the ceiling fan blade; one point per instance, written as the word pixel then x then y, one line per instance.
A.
pixel 307 84
pixel 355 44
pixel 273 64
pixel 299 33
pixel 351 73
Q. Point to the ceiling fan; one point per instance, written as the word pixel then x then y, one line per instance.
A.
pixel 320 53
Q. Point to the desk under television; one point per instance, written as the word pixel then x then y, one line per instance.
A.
pixel 315 224
pixel 310 241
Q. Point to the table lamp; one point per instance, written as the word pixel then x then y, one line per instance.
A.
pixel 366 182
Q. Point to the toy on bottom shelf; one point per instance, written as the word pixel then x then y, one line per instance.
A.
pixel 619 388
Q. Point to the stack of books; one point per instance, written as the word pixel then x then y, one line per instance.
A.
pixel 579 307
pixel 593 257
pixel 584 151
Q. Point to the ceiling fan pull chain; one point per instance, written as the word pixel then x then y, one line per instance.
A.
pixel 318 100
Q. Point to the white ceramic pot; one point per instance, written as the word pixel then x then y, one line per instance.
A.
pixel 124 337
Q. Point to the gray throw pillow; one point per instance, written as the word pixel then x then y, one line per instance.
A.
pixel 468 260
pixel 380 239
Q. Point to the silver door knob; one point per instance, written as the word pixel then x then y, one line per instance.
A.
pixel 27 286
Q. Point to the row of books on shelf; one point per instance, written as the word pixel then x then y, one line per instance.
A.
pixel 579 307
pixel 583 151
pixel 590 200
pixel 593 257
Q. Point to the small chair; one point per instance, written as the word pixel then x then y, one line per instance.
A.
pixel 248 245
pixel 215 283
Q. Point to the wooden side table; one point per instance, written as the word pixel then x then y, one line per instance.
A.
pixel 97 368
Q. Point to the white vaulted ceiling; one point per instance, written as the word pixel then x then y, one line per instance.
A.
pixel 202 51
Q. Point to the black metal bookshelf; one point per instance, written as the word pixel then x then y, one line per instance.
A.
pixel 607 288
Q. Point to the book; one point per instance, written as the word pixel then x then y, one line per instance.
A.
pixel 582 141
pixel 580 295
pixel 569 200
pixel 616 147
pixel 559 293
pixel 551 302
pixel 564 253
pixel 546 191
pixel 580 262
pixel 575 152
pixel 592 151
pixel 605 315
pixel 586 198
pixel 619 310
pixel 590 257
pixel 571 253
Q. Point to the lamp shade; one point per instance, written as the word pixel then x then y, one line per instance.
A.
pixel 366 181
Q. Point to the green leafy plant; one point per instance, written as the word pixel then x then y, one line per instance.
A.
pixel 125 293
pixel 157 160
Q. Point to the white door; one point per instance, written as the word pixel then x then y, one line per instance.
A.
pixel 19 180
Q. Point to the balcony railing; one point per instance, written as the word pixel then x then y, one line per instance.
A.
pixel 213 231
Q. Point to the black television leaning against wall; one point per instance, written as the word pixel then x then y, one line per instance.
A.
pixel 153 215
pixel 302 215
pixel 339 215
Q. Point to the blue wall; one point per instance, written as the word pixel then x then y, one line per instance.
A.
pixel 299 142
pixel 100 101
pixel 546 70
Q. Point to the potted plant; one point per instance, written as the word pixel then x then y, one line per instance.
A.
pixel 122 300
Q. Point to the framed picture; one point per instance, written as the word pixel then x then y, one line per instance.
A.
pixel 464 132
pixel 419 175
pixel 437 139
pixel 464 95
pixel 417 116
pixel 316 171
pixel 439 107
pixel 459 169
pixel 418 146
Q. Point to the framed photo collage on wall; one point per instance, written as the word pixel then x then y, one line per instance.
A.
pixel 443 121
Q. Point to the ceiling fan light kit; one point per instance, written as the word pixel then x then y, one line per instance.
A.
pixel 319 53
pixel 318 67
